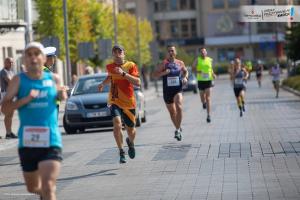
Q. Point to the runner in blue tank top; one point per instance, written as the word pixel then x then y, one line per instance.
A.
pixel 174 75
pixel 40 142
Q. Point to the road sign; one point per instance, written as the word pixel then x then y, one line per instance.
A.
pixel 104 49
pixel 86 50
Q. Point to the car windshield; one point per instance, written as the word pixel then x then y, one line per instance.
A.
pixel 89 86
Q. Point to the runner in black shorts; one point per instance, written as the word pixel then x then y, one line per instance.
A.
pixel 174 74
pixel 259 72
pixel 40 143
pixel 202 67
pixel 239 77
pixel 122 76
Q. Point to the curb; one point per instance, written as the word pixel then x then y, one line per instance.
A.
pixel 291 90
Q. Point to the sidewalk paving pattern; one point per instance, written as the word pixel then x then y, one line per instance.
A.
pixel 253 157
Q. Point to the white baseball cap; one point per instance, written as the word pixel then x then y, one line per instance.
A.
pixel 50 51
pixel 35 45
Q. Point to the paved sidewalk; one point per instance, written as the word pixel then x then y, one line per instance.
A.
pixel 253 157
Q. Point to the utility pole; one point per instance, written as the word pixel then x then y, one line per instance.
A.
pixel 138 34
pixel 28 18
pixel 276 37
pixel 66 33
pixel 115 22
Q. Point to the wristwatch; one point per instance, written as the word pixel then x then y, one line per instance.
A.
pixel 123 74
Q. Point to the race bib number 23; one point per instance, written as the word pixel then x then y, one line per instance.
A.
pixel 36 136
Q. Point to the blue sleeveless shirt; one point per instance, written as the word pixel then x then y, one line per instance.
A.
pixel 38 118
pixel 172 82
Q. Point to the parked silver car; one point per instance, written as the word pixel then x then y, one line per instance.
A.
pixel 87 107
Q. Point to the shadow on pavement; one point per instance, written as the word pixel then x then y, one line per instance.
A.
pixel 99 173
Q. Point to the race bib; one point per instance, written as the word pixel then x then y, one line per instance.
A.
pixel 238 81
pixel 36 136
pixel 173 81
pixel 205 75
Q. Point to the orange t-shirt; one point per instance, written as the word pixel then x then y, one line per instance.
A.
pixel 121 90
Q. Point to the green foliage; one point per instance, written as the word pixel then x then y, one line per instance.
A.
pixel 293 42
pixel 292 82
pixel 88 21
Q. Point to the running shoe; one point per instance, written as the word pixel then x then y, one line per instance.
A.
pixel 241 113
pixel 131 149
pixel 11 136
pixel 204 106
pixel 178 135
pixel 208 119
pixel 122 157
pixel 243 108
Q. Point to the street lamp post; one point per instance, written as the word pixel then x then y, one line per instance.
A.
pixel 115 22
pixel 138 34
pixel 276 36
pixel 28 18
pixel 66 33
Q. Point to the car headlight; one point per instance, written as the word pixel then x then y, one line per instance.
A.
pixel 193 82
pixel 72 106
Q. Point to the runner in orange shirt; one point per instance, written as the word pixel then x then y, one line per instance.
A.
pixel 122 76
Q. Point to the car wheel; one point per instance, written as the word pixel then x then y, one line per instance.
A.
pixel 81 129
pixel 138 121
pixel 69 130
pixel 144 118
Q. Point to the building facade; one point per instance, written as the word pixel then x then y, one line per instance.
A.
pixel 213 24
pixel 12 32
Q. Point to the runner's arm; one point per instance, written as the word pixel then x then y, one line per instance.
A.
pixel 8 105
pixel 213 73
pixel 61 90
pixel 247 74
pixel 161 71
pixel 105 82
pixel 132 79
pixel 6 77
pixel 185 71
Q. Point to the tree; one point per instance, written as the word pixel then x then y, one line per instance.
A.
pixel 50 23
pixel 127 36
pixel 293 42
pixel 89 21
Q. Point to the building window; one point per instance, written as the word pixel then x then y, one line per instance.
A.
pixel 156 6
pixel 173 4
pixel 233 3
pixel 157 29
pixel 174 29
pixel 193 28
pixel 227 54
pixel 218 4
pixel 160 5
pixel 185 28
pixel 192 5
pixel 183 5
pixel 265 27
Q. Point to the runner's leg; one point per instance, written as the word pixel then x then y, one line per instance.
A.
pixel 33 182
pixel 49 171
pixel 178 104
pixel 117 122
pixel 208 100
pixel 172 111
